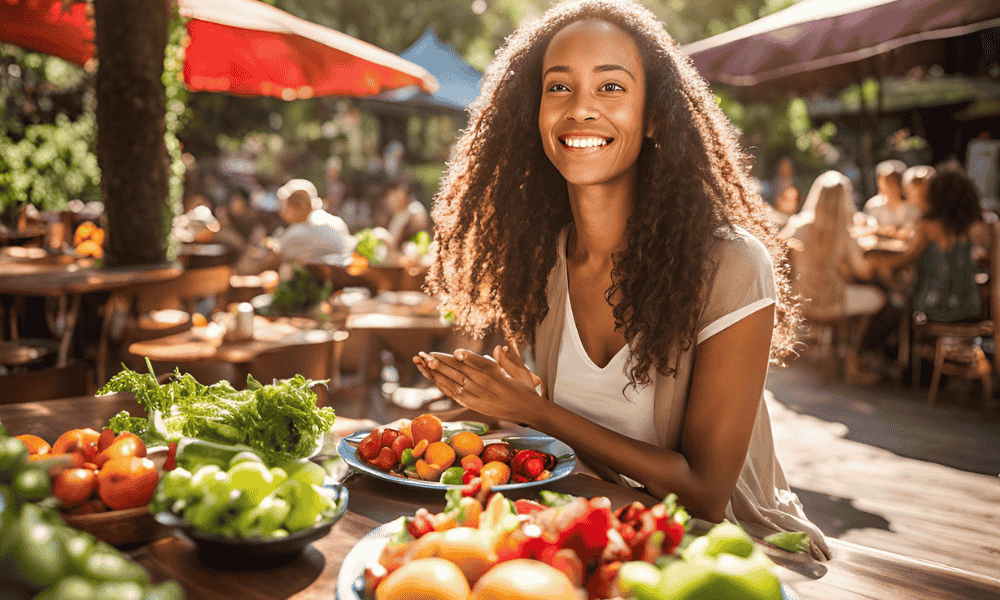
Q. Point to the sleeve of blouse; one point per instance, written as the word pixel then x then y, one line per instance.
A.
pixel 742 285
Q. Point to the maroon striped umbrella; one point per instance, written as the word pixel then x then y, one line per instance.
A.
pixel 818 45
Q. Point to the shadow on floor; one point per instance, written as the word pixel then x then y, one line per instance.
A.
pixel 835 515
pixel 896 418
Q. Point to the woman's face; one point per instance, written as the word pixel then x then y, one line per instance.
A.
pixel 593 97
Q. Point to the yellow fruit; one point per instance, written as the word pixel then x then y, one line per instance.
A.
pixel 496 473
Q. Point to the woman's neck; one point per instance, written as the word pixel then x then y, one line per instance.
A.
pixel 600 216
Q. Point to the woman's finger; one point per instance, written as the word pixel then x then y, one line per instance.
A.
pixel 513 369
pixel 465 376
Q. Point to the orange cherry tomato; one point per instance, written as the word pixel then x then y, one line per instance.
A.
pixel 126 444
pixel 74 486
pixel 84 440
pixel 35 444
pixel 127 482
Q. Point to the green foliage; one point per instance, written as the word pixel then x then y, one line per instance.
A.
pixel 370 246
pixel 299 294
pixel 51 165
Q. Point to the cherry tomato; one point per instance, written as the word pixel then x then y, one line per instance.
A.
pixel 74 486
pixel 127 482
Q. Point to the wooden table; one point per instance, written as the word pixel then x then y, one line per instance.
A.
pixel 854 573
pixel 68 280
pixel 201 344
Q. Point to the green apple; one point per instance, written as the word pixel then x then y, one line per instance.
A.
pixel 728 538
pixel 306 471
pixel 253 479
pixel 639 580
pixel 308 502
pixel 263 519
pixel 175 484
pixel 749 578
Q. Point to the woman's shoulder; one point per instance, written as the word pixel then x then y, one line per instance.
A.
pixel 736 244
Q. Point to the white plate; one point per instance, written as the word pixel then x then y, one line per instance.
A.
pixel 350 585
pixel 537 441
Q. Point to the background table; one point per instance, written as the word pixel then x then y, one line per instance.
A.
pixel 854 573
pixel 52 277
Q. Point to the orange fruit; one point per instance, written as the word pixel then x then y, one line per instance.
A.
pixel 466 443
pixel 426 427
pixel 198 320
pixel 428 472
pixel 127 482
pixel 35 444
pixel 74 486
pixel 440 454
pixel 419 448
pixel 496 473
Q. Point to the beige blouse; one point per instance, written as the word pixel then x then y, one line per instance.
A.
pixel 762 501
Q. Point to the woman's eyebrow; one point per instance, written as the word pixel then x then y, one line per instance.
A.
pixel 597 69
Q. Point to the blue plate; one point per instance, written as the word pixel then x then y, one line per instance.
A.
pixel 566 461
pixel 350 583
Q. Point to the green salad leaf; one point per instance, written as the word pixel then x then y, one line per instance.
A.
pixel 281 422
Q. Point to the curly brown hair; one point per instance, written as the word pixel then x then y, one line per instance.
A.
pixel 502 203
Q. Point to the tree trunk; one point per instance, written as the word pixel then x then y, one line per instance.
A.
pixel 131 38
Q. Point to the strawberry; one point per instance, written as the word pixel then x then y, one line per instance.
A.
pixel 388 437
pixel 369 447
pixel 386 459
pixel 399 444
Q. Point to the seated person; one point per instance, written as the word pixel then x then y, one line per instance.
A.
pixel 894 216
pixel 829 265
pixel 312 233
pixel 942 251
pixel 407 215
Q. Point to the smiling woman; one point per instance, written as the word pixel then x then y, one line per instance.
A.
pixel 598 208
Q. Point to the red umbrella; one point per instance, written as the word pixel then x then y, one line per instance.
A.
pixel 237 46
pixel 43 26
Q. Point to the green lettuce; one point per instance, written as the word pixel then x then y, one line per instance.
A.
pixel 280 422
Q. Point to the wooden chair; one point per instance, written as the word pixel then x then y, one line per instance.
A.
pixel 156 310
pixel 955 348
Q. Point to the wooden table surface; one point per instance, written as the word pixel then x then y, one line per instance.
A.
pixel 854 573
pixel 200 344
pixel 52 277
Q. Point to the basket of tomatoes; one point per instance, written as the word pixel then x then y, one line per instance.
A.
pixel 106 482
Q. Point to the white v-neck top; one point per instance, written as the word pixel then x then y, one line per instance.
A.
pixel 602 395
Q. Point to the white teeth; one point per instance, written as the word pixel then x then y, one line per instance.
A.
pixel 590 142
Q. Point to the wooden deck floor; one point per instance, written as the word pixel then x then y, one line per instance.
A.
pixel 878 467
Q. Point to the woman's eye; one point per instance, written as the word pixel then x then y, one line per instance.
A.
pixel 558 87
pixel 612 87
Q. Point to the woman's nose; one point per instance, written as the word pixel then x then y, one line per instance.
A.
pixel 582 108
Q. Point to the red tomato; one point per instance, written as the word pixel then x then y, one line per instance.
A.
pixel 77 439
pixel 35 444
pixel 106 438
pixel 74 486
pixel 125 445
pixel 127 482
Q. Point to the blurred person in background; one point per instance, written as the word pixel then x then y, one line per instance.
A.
pixel 407 215
pixel 916 183
pixel 829 268
pixel 942 250
pixel 335 188
pixel 312 233
pixel 893 215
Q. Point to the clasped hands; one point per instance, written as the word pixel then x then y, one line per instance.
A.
pixel 500 387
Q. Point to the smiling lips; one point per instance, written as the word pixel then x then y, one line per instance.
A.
pixel 590 141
